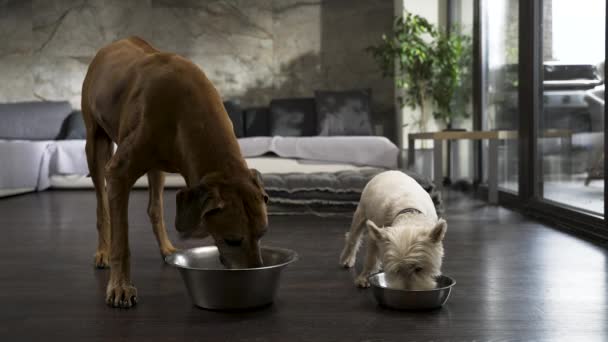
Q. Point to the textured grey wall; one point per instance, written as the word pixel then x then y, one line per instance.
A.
pixel 252 50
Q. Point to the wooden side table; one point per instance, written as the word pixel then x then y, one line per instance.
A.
pixel 493 138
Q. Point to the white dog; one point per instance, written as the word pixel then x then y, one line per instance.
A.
pixel 409 241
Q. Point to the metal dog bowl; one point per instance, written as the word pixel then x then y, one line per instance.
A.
pixel 212 286
pixel 411 299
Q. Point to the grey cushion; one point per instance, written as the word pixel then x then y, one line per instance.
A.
pixel 33 120
pixel 256 122
pixel 294 117
pixel 73 127
pixel 236 116
pixel 328 193
pixel 344 112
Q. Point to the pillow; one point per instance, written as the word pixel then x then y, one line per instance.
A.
pixel 236 116
pixel 73 127
pixel 344 112
pixel 293 117
pixel 256 122
pixel 33 120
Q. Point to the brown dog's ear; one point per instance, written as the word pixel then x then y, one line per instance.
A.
pixel 257 176
pixel 193 204
pixel 188 214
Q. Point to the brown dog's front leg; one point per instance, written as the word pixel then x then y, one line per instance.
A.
pixel 120 292
pixel 156 180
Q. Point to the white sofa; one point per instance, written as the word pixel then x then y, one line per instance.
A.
pixel 42 146
pixel 68 166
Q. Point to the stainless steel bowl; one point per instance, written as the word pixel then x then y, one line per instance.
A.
pixel 411 299
pixel 211 286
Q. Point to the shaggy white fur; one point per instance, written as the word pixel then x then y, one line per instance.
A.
pixel 408 244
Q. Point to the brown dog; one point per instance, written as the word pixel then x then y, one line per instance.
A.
pixel 165 115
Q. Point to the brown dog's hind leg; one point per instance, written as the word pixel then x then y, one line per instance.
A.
pixel 156 182
pixel 99 151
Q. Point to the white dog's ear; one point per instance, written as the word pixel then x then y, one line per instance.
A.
pixel 438 233
pixel 375 232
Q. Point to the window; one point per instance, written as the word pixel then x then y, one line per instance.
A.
pixel 571 126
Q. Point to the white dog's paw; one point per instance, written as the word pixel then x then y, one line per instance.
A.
pixel 362 281
pixel 346 260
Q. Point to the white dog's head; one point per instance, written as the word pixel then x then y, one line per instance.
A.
pixel 411 256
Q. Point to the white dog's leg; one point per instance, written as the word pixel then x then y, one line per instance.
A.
pixel 371 264
pixel 353 240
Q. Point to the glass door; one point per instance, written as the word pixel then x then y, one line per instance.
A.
pixel 500 108
pixel 461 21
pixel 570 132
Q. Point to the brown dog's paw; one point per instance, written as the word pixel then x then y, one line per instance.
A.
pixel 168 251
pixel 102 259
pixel 121 296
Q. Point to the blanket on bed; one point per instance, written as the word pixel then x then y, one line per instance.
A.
pixel 69 157
pixel 357 150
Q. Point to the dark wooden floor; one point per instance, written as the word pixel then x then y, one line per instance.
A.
pixel 517 280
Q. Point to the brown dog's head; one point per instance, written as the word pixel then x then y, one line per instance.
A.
pixel 233 213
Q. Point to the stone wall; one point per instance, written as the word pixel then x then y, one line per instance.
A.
pixel 252 50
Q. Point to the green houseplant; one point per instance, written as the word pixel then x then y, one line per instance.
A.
pixel 450 86
pixel 406 55
pixel 427 62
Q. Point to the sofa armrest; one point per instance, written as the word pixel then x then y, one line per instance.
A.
pixel 33 120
